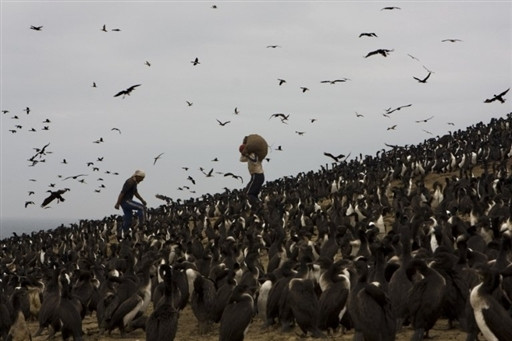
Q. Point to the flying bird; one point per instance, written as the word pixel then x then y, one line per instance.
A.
pixel 147 63
pixel 127 91
pixel 282 116
pixel 389 8
pixel 116 129
pixel 209 174
pixel 450 40
pixel 234 176
pixel 393 127
pixel 367 34
pixel 424 80
pixel 36 28
pixel 236 112
pixel 335 158
pixel 28 203
pixel 300 133
pixel 383 52
pixel 335 81
pixel 425 120
pixel 359 115
pixel 410 55
pixel 497 97
pixel 195 61
pixel 54 195
pixel 223 123
pixel 116 30
pixel 157 157
pixel 189 103
pixel 428 132
pixel 389 111
pixel 191 179
pixel 94 85
pixel 272 46
pixel 104 28
pixel 74 177
pixel 304 89
pixel 281 81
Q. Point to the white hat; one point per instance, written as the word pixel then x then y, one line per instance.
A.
pixel 140 173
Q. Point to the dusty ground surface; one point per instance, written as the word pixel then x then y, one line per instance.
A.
pixel 188 331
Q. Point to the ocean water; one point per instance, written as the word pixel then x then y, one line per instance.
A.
pixel 29 225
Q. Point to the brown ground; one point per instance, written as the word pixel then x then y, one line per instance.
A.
pixel 188 331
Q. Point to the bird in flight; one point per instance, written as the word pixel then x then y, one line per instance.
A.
pixel 393 127
pixel 54 195
pixel 147 63
pixel 189 103
pixel 127 91
pixel 223 123
pixel 157 157
pixel 116 129
pixel 74 177
pixel 335 158
pixel 389 111
pixel 428 132
pixel 191 179
pixel 272 46
pixel 367 34
pixel 236 112
pixel 424 80
pixel 94 85
pixel 28 203
pixel 304 89
pixel 300 133
pixel 335 81
pixel 281 81
pixel 450 40
pixel 359 115
pixel 282 116
pixel 195 61
pixel 425 120
pixel 383 52
pixel 209 174
pixel 389 8
pixel 104 28
pixel 36 28
pixel 497 97
pixel 234 176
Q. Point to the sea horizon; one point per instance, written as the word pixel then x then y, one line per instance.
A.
pixel 21 225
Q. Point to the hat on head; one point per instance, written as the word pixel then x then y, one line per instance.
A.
pixel 140 173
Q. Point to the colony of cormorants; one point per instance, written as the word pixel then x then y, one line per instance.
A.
pixel 370 245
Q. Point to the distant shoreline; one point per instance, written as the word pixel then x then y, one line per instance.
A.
pixel 28 225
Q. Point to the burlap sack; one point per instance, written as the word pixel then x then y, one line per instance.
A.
pixel 256 144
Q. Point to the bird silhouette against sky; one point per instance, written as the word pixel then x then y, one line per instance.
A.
pixel 498 97
pixel 127 92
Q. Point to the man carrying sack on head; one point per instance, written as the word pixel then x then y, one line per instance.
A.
pixel 253 151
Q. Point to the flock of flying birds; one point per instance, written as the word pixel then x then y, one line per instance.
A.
pixel 57 194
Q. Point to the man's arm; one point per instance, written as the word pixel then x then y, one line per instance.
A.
pixel 140 198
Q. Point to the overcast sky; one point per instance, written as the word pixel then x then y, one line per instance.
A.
pixel 52 71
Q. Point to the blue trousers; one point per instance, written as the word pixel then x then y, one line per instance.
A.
pixel 128 207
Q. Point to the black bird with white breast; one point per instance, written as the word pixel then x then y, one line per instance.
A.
pixel 491 317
